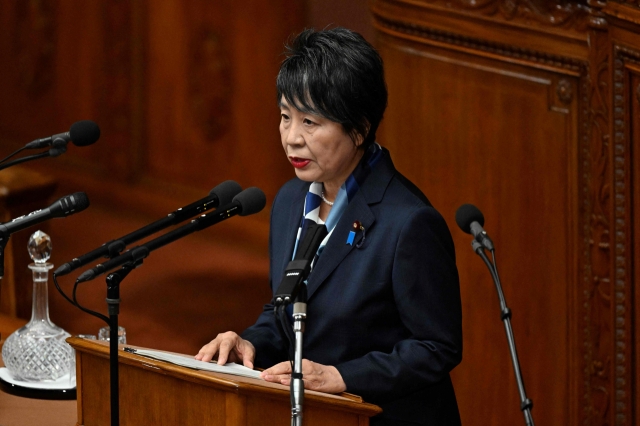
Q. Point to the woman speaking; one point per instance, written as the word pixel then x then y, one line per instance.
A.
pixel 384 314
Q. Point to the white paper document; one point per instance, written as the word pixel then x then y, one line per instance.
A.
pixel 190 362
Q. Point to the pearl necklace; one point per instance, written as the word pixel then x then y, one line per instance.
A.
pixel 330 203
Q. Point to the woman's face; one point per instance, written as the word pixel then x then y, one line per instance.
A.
pixel 318 148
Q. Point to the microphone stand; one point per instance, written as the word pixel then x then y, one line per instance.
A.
pixel 113 301
pixel 297 384
pixel 505 314
pixel 293 287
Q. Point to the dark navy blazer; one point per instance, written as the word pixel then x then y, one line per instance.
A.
pixel 387 315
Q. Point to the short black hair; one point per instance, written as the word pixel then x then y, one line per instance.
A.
pixel 338 75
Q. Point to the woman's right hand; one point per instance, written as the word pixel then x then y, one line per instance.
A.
pixel 229 347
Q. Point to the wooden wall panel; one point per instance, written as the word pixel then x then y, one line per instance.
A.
pixel 45 69
pixel 352 14
pixel 470 132
pixel 211 107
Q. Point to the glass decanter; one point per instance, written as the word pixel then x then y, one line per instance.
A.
pixel 38 352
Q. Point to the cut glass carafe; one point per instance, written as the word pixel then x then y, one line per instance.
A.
pixel 38 352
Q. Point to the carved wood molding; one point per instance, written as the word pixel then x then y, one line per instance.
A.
pixel 607 332
pixel 534 57
pixel 624 398
pixel 596 198
pixel 634 3
pixel 554 13
pixel 564 90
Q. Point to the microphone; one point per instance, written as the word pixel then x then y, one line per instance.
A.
pixel 299 268
pixel 220 195
pixel 82 133
pixel 65 206
pixel 248 202
pixel 470 219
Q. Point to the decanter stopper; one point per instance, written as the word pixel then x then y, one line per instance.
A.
pixel 39 247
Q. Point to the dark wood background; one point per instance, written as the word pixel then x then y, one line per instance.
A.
pixel 526 108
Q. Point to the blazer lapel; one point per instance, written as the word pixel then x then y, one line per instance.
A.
pixel 337 248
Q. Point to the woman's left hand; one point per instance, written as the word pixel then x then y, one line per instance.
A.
pixel 317 377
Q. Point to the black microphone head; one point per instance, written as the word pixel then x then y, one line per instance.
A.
pixel 226 191
pixel 70 204
pixel 84 133
pixel 466 215
pixel 251 201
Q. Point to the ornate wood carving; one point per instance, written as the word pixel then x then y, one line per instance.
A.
pixel 535 57
pixel 210 82
pixel 554 13
pixel 607 294
pixel 34 45
pixel 596 259
pixel 628 2
pixel 623 247
pixel 564 90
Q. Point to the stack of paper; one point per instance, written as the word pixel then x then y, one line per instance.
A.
pixel 190 362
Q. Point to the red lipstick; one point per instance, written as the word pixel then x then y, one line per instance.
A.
pixel 299 163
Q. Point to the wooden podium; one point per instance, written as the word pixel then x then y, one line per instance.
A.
pixel 159 393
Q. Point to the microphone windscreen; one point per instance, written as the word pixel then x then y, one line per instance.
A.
pixel 226 191
pixel 466 215
pixel 82 201
pixel 84 133
pixel 251 200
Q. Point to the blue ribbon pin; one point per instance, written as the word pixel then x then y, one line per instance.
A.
pixel 350 238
